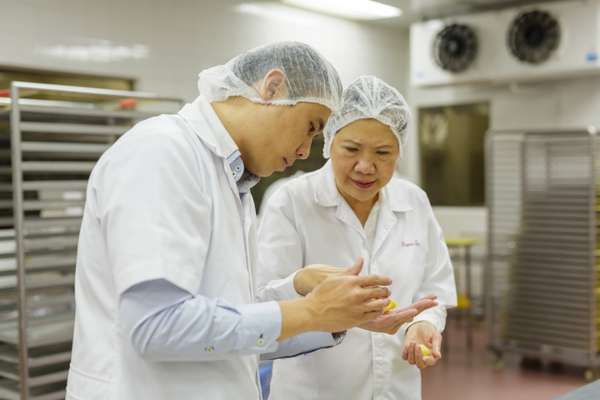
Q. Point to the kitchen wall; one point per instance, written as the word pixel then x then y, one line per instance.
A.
pixel 164 44
pixel 552 104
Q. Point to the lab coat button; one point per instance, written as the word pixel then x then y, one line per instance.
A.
pixel 260 341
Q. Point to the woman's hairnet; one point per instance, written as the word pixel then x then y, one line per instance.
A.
pixel 369 97
pixel 309 77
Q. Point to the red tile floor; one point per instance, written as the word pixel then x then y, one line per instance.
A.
pixel 466 375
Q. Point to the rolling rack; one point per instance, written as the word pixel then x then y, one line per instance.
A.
pixel 50 138
pixel 543 269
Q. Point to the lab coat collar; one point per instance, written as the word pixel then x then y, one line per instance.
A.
pixel 397 196
pixel 218 140
pixel 392 195
pixel 326 193
pixel 199 113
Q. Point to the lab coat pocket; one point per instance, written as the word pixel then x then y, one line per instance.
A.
pixel 83 386
pixel 405 264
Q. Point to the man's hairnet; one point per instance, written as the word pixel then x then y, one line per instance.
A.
pixel 309 77
pixel 369 97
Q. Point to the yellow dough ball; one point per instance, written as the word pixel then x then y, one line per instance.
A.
pixel 426 351
pixel 391 305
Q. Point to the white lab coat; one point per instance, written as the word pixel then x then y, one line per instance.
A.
pixel 307 222
pixel 173 232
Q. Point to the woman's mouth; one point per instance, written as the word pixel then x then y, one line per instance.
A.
pixel 363 184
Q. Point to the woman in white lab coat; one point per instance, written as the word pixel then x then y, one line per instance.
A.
pixel 355 207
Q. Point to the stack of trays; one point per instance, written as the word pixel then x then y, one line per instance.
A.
pixel 58 145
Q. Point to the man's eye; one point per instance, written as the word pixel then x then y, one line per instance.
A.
pixel 383 153
pixel 351 149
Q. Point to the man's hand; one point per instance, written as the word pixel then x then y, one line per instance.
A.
pixel 422 333
pixel 309 277
pixel 338 303
pixel 390 323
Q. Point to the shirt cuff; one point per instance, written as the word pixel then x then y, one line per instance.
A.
pixel 287 286
pixel 435 316
pixel 305 343
pixel 283 289
pixel 259 327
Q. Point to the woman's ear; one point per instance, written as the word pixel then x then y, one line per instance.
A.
pixel 272 85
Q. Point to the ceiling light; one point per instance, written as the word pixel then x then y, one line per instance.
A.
pixel 353 9
pixel 279 12
pixel 98 51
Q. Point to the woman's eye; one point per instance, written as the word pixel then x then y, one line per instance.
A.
pixel 312 128
pixel 383 153
pixel 351 149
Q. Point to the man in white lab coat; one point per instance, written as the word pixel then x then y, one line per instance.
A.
pixel 164 281
pixel 355 207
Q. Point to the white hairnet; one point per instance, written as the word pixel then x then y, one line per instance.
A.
pixel 309 76
pixel 369 97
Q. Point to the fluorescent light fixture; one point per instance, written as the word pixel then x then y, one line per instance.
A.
pixel 279 12
pixel 102 51
pixel 352 9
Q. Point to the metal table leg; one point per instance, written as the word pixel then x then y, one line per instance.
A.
pixel 469 311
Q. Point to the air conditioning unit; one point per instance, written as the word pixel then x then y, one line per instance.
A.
pixel 548 41
pixel 542 41
pixel 454 50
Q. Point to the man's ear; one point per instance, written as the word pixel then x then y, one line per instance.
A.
pixel 272 85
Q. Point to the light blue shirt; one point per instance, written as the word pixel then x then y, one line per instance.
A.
pixel 167 323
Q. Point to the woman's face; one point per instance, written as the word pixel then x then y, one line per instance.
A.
pixel 363 155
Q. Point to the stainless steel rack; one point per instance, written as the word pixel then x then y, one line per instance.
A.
pixel 543 269
pixel 47 151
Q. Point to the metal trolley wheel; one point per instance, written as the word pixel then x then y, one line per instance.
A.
pixel 496 357
pixel 533 36
pixel 455 48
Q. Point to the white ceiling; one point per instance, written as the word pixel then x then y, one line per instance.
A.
pixel 436 8
pixel 415 10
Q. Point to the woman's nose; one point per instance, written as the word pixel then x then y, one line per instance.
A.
pixel 365 166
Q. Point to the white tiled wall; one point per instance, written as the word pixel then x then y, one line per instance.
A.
pixel 179 38
pixel 567 104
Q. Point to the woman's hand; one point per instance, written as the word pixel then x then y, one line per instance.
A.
pixel 337 304
pixel 392 321
pixel 422 333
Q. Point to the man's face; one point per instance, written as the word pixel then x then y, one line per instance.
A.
pixel 285 135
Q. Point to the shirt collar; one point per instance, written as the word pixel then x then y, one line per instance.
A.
pixel 245 179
